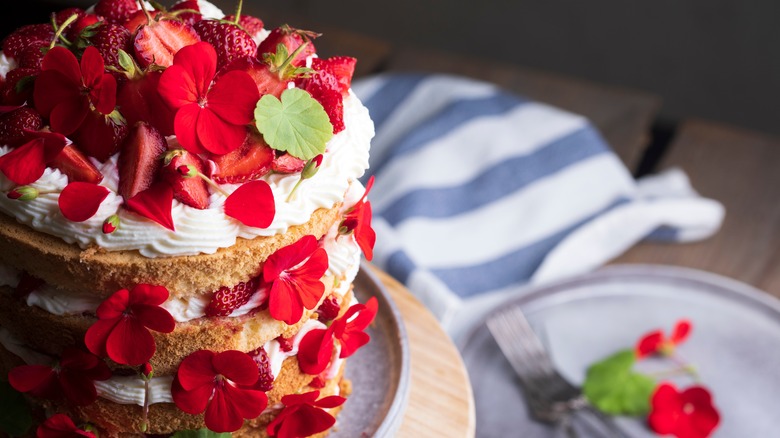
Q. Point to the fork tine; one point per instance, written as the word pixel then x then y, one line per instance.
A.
pixel 519 342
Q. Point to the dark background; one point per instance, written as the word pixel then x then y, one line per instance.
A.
pixel 715 59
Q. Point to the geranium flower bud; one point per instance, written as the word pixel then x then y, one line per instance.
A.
pixel 110 224
pixel 24 193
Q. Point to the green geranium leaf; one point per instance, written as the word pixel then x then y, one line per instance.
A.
pixel 15 415
pixel 201 433
pixel 297 123
pixel 614 388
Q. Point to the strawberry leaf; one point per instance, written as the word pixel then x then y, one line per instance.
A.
pixel 614 388
pixel 297 123
pixel 200 433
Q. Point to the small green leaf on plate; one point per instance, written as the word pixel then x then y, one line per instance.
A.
pixel 297 123
pixel 614 388
pixel 200 433
pixel 15 415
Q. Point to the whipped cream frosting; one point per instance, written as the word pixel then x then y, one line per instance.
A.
pixel 129 390
pixel 200 231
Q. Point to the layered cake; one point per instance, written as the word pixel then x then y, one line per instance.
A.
pixel 182 221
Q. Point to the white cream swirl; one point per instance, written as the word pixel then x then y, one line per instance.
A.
pixel 201 231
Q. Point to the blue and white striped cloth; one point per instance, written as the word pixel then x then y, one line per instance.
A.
pixel 479 193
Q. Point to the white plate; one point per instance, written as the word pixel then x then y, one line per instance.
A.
pixel 735 343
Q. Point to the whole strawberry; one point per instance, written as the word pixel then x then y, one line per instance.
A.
pixel 187 11
pixel 116 11
pixel 101 135
pixel 17 41
pixel 109 38
pixel 252 25
pixel 14 123
pixel 18 86
pixel 292 38
pixel 229 40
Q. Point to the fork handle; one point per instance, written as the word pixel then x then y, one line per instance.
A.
pixel 600 421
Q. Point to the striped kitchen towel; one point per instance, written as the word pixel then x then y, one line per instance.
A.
pixel 479 192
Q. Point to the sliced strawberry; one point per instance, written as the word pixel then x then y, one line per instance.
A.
pixel 341 67
pixel 140 159
pixel 187 6
pixel 252 25
pixel 14 44
pixel 33 55
pixel 116 11
pixel 63 15
pixel 76 166
pixel 18 86
pixel 286 163
pixel 230 41
pixel 192 190
pixel 329 309
pixel 27 284
pixel 266 379
pixel 250 161
pixel 13 125
pixel 266 80
pixel 158 41
pixel 100 135
pixel 285 344
pixel 138 99
pixel 108 39
pixel 226 300
pixel 292 38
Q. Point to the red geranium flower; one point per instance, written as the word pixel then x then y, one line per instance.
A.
pixel 64 90
pixel 657 342
pixel 73 377
pixel 686 414
pixel 124 320
pixel 303 415
pixel 316 347
pixel 209 117
pixel 25 164
pixel 61 426
pixel 225 385
pixel 357 220
pixel 294 273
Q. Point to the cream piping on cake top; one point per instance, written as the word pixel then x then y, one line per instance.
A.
pixel 201 231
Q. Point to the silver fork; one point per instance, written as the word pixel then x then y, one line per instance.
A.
pixel 550 397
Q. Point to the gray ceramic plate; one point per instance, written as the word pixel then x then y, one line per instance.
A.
pixel 735 343
pixel 379 371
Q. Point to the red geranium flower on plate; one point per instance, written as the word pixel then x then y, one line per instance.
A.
pixel 357 220
pixel 294 273
pixel 685 414
pixel 303 415
pixel 209 117
pixel 61 426
pixel 66 90
pixel 124 320
pixel 224 385
pixel 657 342
pixel 73 377
pixel 316 347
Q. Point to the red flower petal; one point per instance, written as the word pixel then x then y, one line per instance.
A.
pixel 349 331
pixel 284 302
pixel 248 403
pixel 307 278
pixel 649 344
pixel 193 401
pixel 78 388
pixel 199 61
pixel 221 415
pixel 330 402
pixel 305 420
pixel 80 201
pixel 154 318
pixel 154 203
pixel 69 115
pixel 365 236
pixel 52 88
pixel 53 143
pixel 288 257
pixel 25 164
pixel 150 294
pixel 216 135
pixel 58 426
pixel 233 97
pixel 28 378
pixel 252 204
pixel 102 85
pixel 130 343
pixel 177 87
pixel 196 370
pixel 115 305
pixel 63 61
pixel 299 399
pixel 236 366
pixel 315 351
pixel 97 335
pixel 185 125
pixel 681 331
